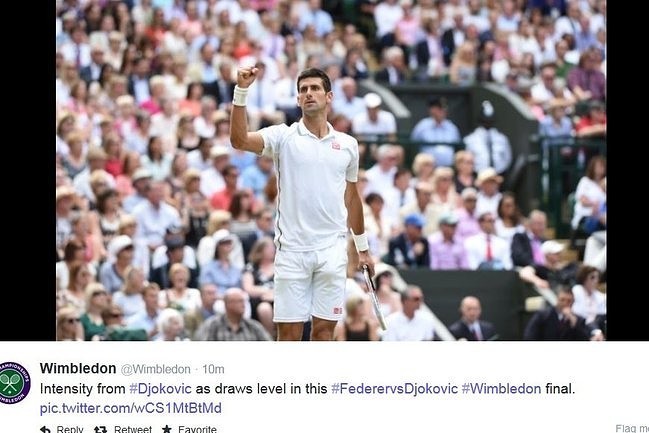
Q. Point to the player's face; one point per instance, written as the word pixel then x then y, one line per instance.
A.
pixel 312 96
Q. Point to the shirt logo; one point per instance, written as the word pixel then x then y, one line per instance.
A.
pixel 335 145
pixel 338 310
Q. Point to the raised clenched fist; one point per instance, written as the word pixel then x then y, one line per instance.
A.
pixel 246 76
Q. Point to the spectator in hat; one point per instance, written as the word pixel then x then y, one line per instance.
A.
pixel 556 123
pixel 129 298
pixel 489 146
pixel 75 161
pixel 468 218
pixel 171 326
pixel 218 220
pixel 99 184
pixel 173 251
pixel 409 249
pixel 446 251
pixel 554 273
pixel 437 129
pixel 141 181
pixel 65 197
pixel 68 324
pixel 374 123
pixel 97 299
pixel 120 257
pixel 488 183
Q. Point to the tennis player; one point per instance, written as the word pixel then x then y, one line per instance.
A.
pixel 317 171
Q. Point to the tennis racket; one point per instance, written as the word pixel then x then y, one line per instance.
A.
pixel 5 380
pixel 375 301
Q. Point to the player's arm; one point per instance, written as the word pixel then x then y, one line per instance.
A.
pixel 239 136
pixel 356 222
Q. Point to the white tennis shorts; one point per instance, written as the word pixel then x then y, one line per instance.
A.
pixel 310 283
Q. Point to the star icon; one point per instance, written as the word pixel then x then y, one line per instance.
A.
pixel 166 429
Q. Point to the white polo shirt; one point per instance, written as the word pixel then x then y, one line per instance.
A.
pixel 311 175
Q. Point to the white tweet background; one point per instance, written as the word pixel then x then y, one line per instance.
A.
pixel 609 381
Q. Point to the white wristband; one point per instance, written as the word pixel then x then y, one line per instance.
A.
pixel 239 96
pixel 361 242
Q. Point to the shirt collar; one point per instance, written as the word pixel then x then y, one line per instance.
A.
pixel 302 130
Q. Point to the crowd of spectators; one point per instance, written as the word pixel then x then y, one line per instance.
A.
pixel 158 218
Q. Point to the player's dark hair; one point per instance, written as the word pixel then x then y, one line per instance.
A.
pixel 317 73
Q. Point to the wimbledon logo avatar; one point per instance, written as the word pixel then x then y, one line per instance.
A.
pixel 14 382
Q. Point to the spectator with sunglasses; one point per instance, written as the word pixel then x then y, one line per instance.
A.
pixel 68 325
pixel 411 323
